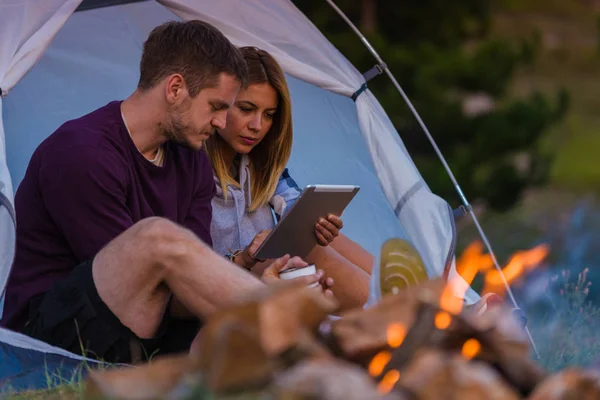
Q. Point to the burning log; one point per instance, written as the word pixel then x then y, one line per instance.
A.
pixel 572 383
pixel 507 348
pixel 429 317
pixel 475 338
pixel 360 334
pixel 434 374
pixel 244 345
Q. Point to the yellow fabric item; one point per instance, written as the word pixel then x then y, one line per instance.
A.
pixel 401 266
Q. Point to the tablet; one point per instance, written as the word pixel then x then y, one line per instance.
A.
pixel 295 232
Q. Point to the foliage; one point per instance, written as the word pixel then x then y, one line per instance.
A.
pixel 567 333
pixel 443 57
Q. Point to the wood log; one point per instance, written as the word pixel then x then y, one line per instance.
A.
pixel 570 384
pixel 434 374
pixel 360 334
pixel 242 346
pixel 327 380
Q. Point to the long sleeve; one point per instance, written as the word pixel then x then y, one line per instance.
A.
pixel 286 193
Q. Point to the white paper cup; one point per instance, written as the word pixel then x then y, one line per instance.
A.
pixel 301 271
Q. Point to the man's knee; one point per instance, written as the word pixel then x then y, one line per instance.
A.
pixel 167 243
pixel 157 230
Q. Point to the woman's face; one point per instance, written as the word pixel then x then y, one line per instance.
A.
pixel 250 118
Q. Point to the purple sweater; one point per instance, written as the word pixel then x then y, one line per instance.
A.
pixel 87 183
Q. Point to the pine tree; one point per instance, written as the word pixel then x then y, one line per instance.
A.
pixel 458 77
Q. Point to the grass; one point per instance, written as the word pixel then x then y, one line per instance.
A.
pixel 567 333
pixel 58 387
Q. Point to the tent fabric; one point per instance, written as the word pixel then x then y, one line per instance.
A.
pixel 26 29
pixel 27 364
pixel 94 58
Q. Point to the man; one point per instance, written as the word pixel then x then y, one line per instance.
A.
pixel 96 269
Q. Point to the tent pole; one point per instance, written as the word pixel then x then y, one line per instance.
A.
pixel 462 196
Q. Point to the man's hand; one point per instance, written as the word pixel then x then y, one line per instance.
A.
pixel 247 256
pixel 328 229
pixel 325 285
pixel 271 275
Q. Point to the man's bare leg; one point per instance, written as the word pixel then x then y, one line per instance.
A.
pixel 136 272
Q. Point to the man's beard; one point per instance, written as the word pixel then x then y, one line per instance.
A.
pixel 177 131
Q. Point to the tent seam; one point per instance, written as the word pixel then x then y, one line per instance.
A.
pixel 6 203
pixel 452 249
pixel 407 196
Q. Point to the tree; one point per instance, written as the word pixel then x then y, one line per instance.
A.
pixel 457 76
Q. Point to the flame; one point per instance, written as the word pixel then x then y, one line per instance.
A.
pixel 473 255
pixel 471 348
pixel 395 335
pixel 388 382
pixel 379 362
pixel 452 299
pixel 473 259
pixel 442 320
pixel 520 262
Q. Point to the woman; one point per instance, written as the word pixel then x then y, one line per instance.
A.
pixel 249 158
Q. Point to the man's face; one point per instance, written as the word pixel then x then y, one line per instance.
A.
pixel 192 120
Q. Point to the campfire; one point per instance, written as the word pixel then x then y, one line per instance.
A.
pixel 420 342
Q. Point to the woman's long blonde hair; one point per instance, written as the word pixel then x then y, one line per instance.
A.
pixel 269 158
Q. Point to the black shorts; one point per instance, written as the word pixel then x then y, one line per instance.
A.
pixel 72 316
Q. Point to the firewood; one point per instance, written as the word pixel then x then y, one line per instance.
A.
pixel 570 384
pixel 244 345
pixel 434 374
pixel 148 381
pixel 327 380
pixel 359 334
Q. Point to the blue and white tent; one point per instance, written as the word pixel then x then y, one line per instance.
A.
pixel 60 59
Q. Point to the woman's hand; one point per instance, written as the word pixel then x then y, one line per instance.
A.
pixel 246 258
pixel 328 229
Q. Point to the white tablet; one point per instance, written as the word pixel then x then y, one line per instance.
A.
pixel 295 233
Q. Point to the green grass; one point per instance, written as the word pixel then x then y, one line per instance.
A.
pixel 58 387
pixel 568 334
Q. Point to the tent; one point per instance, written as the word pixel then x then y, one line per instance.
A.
pixel 60 59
